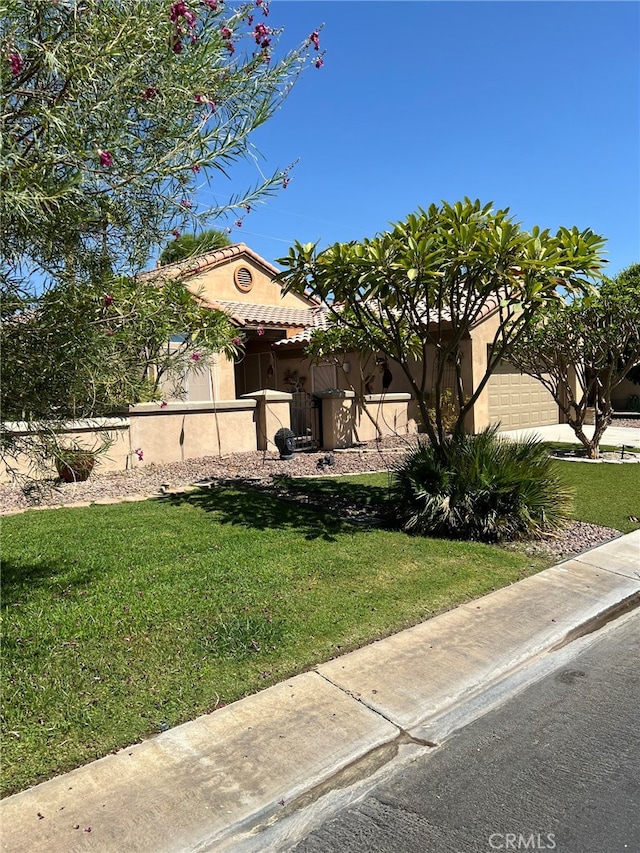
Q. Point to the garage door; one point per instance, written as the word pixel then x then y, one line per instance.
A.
pixel 518 400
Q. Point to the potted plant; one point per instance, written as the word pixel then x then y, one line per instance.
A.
pixel 74 463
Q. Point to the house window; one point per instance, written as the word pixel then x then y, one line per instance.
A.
pixel 243 279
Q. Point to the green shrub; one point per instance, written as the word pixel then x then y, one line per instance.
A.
pixel 486 488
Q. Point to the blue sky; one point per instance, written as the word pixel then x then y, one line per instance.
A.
pixel 532 105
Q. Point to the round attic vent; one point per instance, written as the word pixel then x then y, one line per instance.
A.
pixel 243 279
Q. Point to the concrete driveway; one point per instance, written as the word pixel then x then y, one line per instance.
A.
pixel 616 436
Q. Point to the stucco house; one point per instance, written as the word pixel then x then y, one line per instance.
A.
pixel 276 327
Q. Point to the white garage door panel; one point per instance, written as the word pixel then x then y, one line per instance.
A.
pixel 518 400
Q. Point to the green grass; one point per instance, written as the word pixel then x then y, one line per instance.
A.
pixel 605 494
pixel 120 621
pixel 608 495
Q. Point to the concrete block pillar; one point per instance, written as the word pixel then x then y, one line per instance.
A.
pixel 273 412
pixel 338 415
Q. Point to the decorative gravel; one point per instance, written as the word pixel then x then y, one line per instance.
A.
pixel 265 471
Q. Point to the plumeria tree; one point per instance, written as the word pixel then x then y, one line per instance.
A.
pixel 581 350
pixel 190 245
pixel 417 291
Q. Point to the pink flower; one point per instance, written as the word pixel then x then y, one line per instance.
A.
pixel 230 47
pixel 150 93
pixel 237 342
pixel 106 158
pixel 247 207
pixel 314 39
pixel 238 223
pixel 226 33
pixel 16 63
pixel 319 62
pixel 195 168
pixel 260 35
pixel 177 10
pixel 175 233
pixel 139 453
pixel 195 356
pixel 186 203
pixel 285 183
pixel 212 4
pixel 163 404
pixel 260 331
pixel 108 300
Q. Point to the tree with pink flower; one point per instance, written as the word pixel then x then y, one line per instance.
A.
pixel 146 100
pixel 114 114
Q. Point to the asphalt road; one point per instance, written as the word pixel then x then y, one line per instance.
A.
pixel 555 768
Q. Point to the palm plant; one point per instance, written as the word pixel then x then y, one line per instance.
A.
pixel 486 488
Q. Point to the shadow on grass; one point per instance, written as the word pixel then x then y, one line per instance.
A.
pixel 342 492
pixel 18 579
pixel 252 508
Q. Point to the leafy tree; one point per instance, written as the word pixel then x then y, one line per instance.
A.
pixel 191 245
pixel 114 113
pixel 581 350
pixel 89 353
pixel 417 291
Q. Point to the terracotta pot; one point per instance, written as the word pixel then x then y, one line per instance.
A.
pixel 76 466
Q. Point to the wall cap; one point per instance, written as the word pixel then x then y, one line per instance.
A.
pixel 334 393
pixel 398 397
pixel 180 406
pixel 269 396
pixel 86 424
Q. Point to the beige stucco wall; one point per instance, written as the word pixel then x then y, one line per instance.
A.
pixel 190 430
pixel 219 283
pixel 90 435
pixel 483 335
pixel 345 418
pixel 621 394
pixel 388 412
pixel 273 412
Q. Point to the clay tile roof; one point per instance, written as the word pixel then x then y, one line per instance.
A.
pixel 267 315
pixel 193 266
pixel 320 321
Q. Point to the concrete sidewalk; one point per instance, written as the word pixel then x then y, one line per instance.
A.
pixel 216 783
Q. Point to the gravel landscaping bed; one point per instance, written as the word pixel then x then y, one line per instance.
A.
pixel 265 471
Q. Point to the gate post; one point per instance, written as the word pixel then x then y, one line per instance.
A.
pixel 337 418
pixel 273 412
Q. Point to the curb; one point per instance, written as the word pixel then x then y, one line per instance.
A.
pixel 229 780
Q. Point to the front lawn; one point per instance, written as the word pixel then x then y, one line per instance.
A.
pixel 605 494
pixel 120 621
